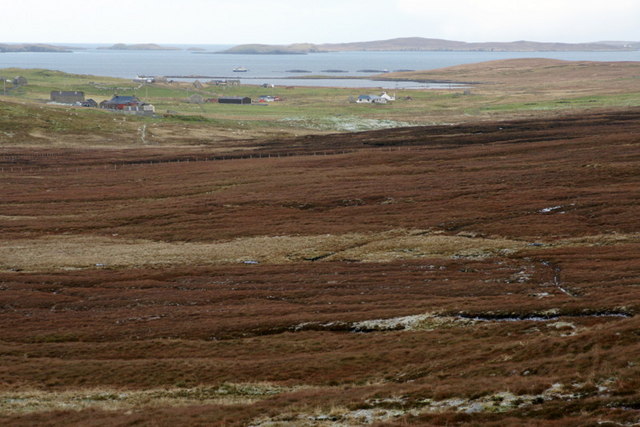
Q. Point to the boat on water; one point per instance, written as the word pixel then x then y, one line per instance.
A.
pixel 240 70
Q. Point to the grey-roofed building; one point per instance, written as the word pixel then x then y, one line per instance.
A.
pixel 371 99
pixel 90 103
pixel 234 100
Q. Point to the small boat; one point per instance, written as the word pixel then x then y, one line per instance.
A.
pixel 240 70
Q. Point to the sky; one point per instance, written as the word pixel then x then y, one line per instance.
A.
pixel 317 21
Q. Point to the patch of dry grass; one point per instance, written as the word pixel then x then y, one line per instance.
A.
pixel 20 402
pixel 73 251
pixel 60 252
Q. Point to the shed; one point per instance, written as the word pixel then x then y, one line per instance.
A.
pixel 20 81
pixel 90 103
pixel 234 100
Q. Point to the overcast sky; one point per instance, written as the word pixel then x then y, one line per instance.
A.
pixel 317 21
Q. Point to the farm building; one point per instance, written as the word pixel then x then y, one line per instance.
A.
pixel 89 103
pixel 20 81
pixel 388 97
pixel 371 99
pixel 128 105
pixel 234 100
pixel 66 96
pixel 120 102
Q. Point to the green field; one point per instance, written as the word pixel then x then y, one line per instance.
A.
pixel 499 94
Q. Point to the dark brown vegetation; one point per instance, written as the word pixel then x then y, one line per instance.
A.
pixel 527 317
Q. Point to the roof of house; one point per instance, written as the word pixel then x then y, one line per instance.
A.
pixel 118 99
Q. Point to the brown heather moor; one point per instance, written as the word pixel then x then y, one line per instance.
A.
pixel 478 274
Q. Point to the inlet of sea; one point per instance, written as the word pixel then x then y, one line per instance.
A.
pixel 341 69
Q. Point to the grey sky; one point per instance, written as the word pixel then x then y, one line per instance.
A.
pixel 288 21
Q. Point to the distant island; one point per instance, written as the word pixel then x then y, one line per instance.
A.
pixel 426 44
pixel 140 46
pixel 266 49
pixel 36 47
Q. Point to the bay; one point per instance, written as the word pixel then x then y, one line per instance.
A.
pixel 273 69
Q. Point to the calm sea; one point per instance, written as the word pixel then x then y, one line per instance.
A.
pixel 276 69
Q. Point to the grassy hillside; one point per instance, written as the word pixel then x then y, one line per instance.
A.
pixel 496 90
pixel 27 123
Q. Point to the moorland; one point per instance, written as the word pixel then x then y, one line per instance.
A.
pixel 472 260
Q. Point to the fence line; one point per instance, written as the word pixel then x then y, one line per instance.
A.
pixel 124 164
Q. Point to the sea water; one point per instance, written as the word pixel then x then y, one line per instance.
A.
pixel 273 69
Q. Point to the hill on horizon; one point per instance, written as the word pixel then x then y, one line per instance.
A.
pixel 430 44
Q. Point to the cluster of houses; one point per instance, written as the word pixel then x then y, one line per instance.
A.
pixel 262 99
pixel 199 99
pixel 125 104
pixel 197 84
pixel 133 105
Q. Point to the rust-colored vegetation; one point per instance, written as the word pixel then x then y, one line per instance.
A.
pixel 460 275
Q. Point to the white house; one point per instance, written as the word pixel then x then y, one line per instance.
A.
pixel 371 99
pixel 388 97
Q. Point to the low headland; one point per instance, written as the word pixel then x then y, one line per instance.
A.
pixel 429 44
pixel 33 47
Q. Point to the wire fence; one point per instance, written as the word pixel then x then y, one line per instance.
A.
pixel 16 163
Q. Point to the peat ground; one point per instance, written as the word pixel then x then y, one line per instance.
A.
pixel 475 274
